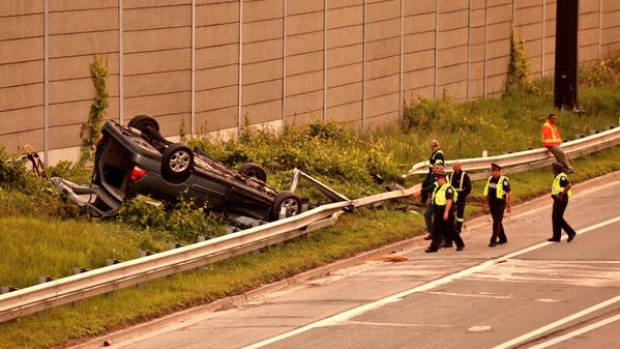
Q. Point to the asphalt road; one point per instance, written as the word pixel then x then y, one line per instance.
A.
pixel 529 293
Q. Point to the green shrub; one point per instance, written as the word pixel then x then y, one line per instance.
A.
pixel 182 222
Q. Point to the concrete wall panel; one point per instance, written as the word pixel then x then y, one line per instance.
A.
pixel 304 83
pixel 217 77
pixel 339 57
pixel 345 75
pixel 259 113
pixel 217 99
pixel 311 102
pixel 217 13
pixel 22 120
pixel 22 50
pixel 305 23
pixel 21 27
pixel 303 7
pixel 216 120
pixel 344 94
pixel 16 74
pixel 157 66
pixel 304 63
pixel 217 35
pixel 83 21
pixel 303 43
pixel 262 71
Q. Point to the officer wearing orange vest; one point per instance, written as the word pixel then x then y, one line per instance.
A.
pixel 552 141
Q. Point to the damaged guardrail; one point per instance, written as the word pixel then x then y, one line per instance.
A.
pixel 117 276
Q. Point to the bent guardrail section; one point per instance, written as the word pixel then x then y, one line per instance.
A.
pixel 111 278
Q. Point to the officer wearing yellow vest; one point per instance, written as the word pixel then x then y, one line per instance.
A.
pixel 498 196
pixel 560 192
pixel 443 199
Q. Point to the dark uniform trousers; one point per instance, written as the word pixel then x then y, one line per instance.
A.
pixel 460 212
pixel 497 208
pixel 444 229
pixel 557 218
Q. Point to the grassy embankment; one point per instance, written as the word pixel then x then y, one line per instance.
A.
pixel 40 236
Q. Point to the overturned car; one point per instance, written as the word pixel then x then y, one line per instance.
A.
pixel 137 160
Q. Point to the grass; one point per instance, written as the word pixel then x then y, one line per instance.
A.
pixel 43 237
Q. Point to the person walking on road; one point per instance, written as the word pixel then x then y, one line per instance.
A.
pixel 552 141
pixel 437 158
pixel 560 192
pixel 443 200
pixel 426 192
pixel 498 198
pixel 461 182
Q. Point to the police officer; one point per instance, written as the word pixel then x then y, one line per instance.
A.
pixel 498 196
pixel 461 182
pixel 560 192
pixel 437 158
pixel 443 200
pixel 427 192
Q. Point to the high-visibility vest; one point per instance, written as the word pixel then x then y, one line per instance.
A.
pixel 439 196
pixel 556 188
pixel 550 135
pixel 461 182
pixel 499 190
pixel 434 161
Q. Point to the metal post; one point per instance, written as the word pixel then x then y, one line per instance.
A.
pixel 486 38
pixel 46 82
pixel 401 81
pixel 284 34
pixel 436 50
pixel 364 49
pixel 566 89
pixel 600 29
pixel 324 60
pixel 240 72
pixel 469 31
pixel 192 116
pixel 543 39
pixel 121 65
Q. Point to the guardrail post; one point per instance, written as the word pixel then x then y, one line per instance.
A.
pixel 78 270
pixel 7 289
pixel 42 280
pixel 111 262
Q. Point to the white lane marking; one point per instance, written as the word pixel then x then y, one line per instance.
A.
pixel 556 324
pixel 576 333
pixel 349 314
pixel 388 324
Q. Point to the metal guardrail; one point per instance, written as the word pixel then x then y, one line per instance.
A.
pixel 114 277
pixel 531 159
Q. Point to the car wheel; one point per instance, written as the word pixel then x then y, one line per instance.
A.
pixel 288 201
pixel 143 123
pixel 177 162
pixel 253 170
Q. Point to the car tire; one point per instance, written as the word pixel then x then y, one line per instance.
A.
pixel 143 123
pixel 177 163
pixel 288 201
pixel 251 169
pixel 149 128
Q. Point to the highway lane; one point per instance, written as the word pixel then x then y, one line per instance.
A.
pixel 528 293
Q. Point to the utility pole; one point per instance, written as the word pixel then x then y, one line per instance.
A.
pixel 566 89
